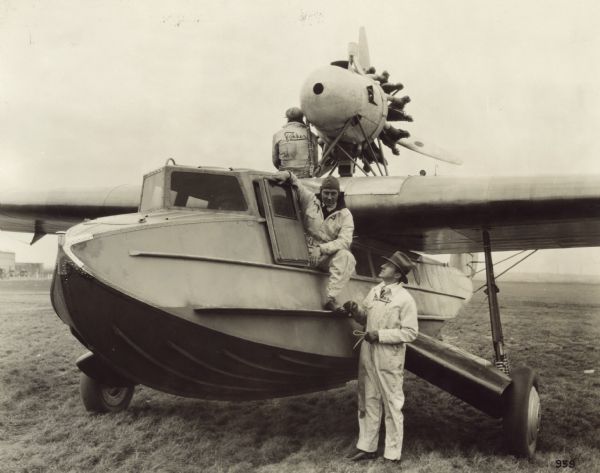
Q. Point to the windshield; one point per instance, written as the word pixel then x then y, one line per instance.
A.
pixel 152 192
pixel 206 191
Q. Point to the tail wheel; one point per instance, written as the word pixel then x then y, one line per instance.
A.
pixel 522 413
pixel 98 397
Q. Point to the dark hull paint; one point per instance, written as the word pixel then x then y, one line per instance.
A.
pixel 152 347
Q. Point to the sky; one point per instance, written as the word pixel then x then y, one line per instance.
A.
pixel 98 93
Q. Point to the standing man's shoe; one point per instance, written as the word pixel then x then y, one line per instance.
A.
pixel 362 455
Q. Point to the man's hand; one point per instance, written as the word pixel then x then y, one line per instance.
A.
pixel 372 337
pixel 314 255
pixel 351 308
pixel 280 177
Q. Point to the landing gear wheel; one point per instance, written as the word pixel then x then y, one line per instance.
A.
pixel 98 397
pixel 522 412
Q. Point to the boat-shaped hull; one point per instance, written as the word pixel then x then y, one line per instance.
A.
pixel 164 349
pixel 173 305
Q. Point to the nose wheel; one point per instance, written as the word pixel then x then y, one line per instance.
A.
pixel 101 398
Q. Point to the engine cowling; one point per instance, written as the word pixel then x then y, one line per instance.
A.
pixel 332 95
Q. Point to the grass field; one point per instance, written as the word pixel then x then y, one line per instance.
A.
pixel 44 428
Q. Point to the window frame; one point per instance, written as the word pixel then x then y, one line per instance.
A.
pixel 277 249
pixel 164 181
pixel 221 172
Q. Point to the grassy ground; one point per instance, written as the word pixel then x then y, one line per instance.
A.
pixel 44 427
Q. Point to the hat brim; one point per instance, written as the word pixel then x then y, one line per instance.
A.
pixel 404 279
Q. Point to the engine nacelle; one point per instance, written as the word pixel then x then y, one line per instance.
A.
pixel 332 95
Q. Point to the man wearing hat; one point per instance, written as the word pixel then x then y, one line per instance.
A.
pixel 329 228
pixel 294 146
pixel 390 315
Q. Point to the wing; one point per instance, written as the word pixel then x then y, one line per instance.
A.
pixel 448 214
pixel 420 213
pixel 53 211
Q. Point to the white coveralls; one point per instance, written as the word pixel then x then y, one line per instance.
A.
pixel 392 312
pixel 333 235
pixel 292 150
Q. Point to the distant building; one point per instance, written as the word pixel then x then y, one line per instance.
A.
pixel 7 264
pixel 9 268
pixel 29 270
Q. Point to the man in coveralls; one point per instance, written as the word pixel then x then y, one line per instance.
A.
pixel 295 147
pixel 329 228
pixel 390 315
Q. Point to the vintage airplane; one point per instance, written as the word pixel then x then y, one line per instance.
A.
pixel 198 284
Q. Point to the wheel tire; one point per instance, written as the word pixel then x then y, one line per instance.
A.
pixel 98 397
pixel 522 413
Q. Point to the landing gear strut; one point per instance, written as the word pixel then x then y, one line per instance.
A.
pixel 500 356
pixel 521 402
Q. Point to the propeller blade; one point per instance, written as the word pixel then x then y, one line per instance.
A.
pixel 353 56
pixel 363 48
pixel 428 150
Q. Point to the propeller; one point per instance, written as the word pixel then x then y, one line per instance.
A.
pixel 416 145
pixel 374 113
pixel 358 53
pixel 363 49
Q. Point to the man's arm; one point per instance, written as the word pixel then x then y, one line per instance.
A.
pixel 276 160
pixel 305 196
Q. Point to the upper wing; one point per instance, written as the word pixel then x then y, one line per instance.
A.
pixel 420 213
pixel 53 211
pixel 448 214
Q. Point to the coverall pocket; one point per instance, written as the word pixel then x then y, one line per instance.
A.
pixel 393 359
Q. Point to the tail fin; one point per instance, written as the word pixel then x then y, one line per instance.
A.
pixel 465 262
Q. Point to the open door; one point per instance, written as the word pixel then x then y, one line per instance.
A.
pixel 284 223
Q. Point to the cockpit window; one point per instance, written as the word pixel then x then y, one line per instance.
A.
pixel 282 201
pixel 206 191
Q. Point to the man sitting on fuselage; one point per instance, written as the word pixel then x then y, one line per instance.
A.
pixel 329 229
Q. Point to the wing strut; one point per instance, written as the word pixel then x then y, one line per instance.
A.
pixel 500 355
pixel 329 162
pixel 521 402
pixel 336 155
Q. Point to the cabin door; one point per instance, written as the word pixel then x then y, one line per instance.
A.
pixel 285 223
